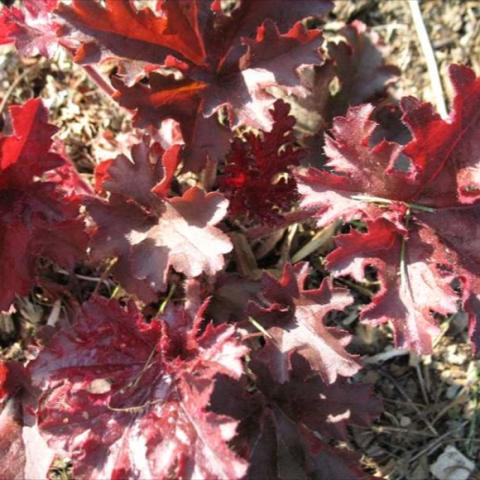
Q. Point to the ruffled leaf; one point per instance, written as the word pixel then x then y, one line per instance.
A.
pixel 37 219
pixel 126 398
pixel 295 320
pixel 257 178
pixel 149 233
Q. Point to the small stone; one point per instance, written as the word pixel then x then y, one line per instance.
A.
pixel 452 465
pixel 405 421
pixel 99 386
pixel 452 391
pixel 454 357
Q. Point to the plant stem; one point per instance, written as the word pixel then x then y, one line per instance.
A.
pixel 386 201
pixel 319 239
pixel 163 305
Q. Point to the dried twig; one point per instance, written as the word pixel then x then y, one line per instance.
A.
pixel 14 85
pixel 437 442
pixel 410 402
pixel 318 240
pixel 429 57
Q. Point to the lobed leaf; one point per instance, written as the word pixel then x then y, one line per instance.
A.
pixel 295 321
pixel 419 203
pixel 37 219
pixel 148 233
pixel 127 398
pixel 257 177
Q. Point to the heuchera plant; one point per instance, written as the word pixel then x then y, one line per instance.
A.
pixel 200 365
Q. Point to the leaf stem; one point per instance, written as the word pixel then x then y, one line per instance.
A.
pixel 404 280
pixel 163 305
pixel 259 327
pixel 386 201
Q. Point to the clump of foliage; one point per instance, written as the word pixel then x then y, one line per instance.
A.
pixel 240 373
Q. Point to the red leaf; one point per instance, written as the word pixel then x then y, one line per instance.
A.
pixel 126 398
pixel 436 171
pixel 360 67
pixel 36 219
pixel 23 453
pixel 13 378
pixel 295 320
pixel 410 288
pixel 459 231
pixel 33 29
pixel 225 60
pixel 26 153
pixel 445 152
pixel 149 233
pixel 152 167
pixel 66 176
pixel 357 168
pixel 140 34
pixel 278 421
pixel 254 177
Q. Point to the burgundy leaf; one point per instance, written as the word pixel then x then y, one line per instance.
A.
pixel 462 256
pixel 255 179
pixel 23 453
pixel 221 60
pixel 33 29
pixel 357 65
pixel 425 188
pixel 354 168
pixel 360 67
pixel 288 430
pixel 147 232
pixel 36 218
pixel 411 285
pixel 445 152
pixel 295 320
pixel 126 398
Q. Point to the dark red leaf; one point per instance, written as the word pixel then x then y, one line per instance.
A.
pixel 33 29
pixel 125 398
pixel 278 421
pixel 360 67
pixel 23 453
pixel 257 178
pixel 425 190
pixel 411 285
pixel 445 152
pixel 149 233
pixel 221 60
pixel 36 218
pixel 295 320
pixel 354 168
